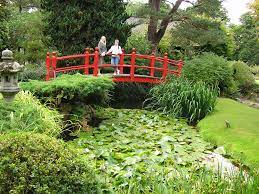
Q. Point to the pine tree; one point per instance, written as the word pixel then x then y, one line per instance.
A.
pixel 3 24
pixel 76 24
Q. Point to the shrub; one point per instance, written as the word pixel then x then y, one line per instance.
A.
pixel 213 70
pixel 140 42
pixel 255 69
pixel 73 95
pixel 33 72
pixel 243 76
pixel 67 88
pixel 26 113
pixel 182 98
pixel 165 44
pixel 36 163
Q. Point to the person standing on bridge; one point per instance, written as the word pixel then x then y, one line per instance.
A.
pixel 115 50
pixel 102 50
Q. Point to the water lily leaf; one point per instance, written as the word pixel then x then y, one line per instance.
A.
pixel 131 143
pixel 132 160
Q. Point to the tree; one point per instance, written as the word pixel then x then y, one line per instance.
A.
pixel 158 23
pixel 26 36
pixel 246 39
pixel 156 31
pixel 76 24
pixel 205 31
pixel 255 7
pixel 3 24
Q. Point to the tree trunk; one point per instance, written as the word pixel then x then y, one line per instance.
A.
pixel 153 22
pixel 155 33
pixel 20 6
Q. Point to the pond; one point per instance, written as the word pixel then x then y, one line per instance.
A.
pixel 131 143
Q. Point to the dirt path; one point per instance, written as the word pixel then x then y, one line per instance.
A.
pixel 254 104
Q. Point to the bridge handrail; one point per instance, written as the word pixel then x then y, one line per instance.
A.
pixel 91 61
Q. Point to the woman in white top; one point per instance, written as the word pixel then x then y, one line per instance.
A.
pixel 115 50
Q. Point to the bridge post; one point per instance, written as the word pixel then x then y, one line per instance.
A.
pixel 165 66
pixel 96 61
pixel 54 63
pixel 132 64
pixel 47 66
pixel 86 69
pixel 121 61
pixel 180 66
pixel 152 64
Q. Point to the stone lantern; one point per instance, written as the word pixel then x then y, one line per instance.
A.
pixel 9 76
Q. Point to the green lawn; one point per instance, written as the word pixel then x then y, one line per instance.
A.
pixel 242 138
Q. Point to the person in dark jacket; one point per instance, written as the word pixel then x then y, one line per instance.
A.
pixel 102 50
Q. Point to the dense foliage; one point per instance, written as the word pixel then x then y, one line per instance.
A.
pixel 26 113
pixel 76 24
pixel 33 72
pixel 246 39
pixel 138 151
pixel 204 30
pixel 213 70
pixel 26 37
pixel 243 76
pixel 73 95
pixel 3 24
pixel 132 143
pixel 138 41
pixel 67 88
pixel 182 98
pixel 204 16
pixel 36 163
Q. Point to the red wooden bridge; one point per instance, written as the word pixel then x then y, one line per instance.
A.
pixel 130 68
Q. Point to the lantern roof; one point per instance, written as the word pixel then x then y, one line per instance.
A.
pixel 7 54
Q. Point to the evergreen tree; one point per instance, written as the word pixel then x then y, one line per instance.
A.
pixel 247 39
pixel 204 30
pixel 76 24
pixel 3 24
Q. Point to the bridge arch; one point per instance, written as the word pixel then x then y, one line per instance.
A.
pixel 156 71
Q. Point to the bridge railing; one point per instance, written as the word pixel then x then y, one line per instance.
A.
pixel 156 65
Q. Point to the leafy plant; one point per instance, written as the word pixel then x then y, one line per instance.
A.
pixel 26 37
pixel 72 28
pixel 183 98
pixel 67 88
pixel 213 70
pixel 26 113
pixel 4 14
pixel 193 181
pixel 73 95
pixel 36 163
pixel 33 72
pixel 246 39
pixel 255 69
pixel 243 76
pixel 140 42
pixel 130 144
pixel 138 151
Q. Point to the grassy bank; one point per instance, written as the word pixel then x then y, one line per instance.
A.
pixel 242 138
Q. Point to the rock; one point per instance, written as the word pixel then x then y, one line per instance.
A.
pixel 86 150
pixel 220 150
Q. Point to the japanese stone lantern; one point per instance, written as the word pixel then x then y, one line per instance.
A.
pixel 9 76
